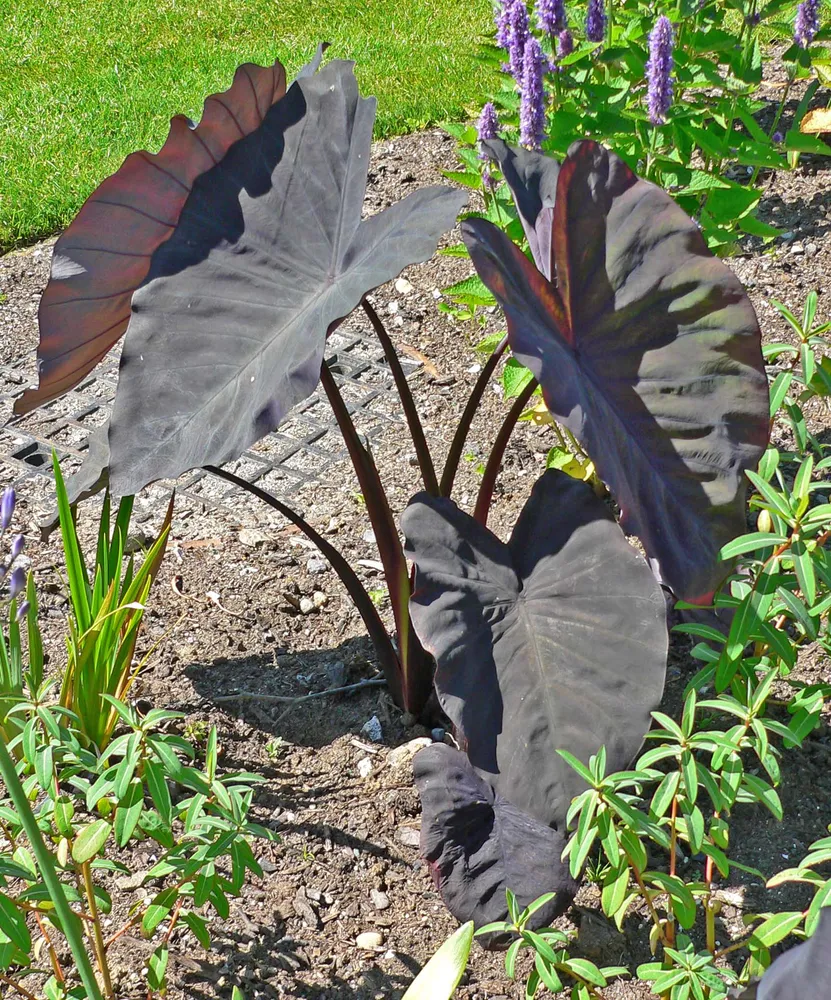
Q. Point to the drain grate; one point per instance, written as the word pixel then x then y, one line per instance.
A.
pixel 300 452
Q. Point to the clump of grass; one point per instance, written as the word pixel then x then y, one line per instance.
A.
pixel 77 94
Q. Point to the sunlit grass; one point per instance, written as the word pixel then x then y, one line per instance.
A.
pixel 82 84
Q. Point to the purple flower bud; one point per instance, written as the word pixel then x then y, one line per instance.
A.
pixel 488 181
pixel 807 23
pixel 502 18
pixel 551 16
pixel 22 611
pixel 519 36
pixel 595 21
pixel 778 137
pixel 488 123
pixel 565 44
pixel 659 71
pixel 7 507
pixel 17 546
pixel 532 97
pixel 17 582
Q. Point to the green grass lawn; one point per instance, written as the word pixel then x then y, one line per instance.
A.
pixel 85 82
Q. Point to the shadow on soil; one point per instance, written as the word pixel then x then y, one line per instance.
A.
pixel 264 687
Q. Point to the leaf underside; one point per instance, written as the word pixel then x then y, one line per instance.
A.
pixel 105 254
pixel 478 845
pixel 556 640
pixel 270 253
pixel 645 345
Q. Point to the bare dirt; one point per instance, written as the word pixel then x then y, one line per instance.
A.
pixel 347 860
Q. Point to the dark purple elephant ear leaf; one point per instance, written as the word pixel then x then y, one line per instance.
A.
pixel 270 251
pixel 650 353
pixel 532 179
pixel 105 254
pixel 478 844
pixel 556 640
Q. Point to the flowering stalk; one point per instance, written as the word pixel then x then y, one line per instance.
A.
pixel 487 128
pixel 595 21
pixel 519 35
pixel 532 98
pixel 807 23
pixel 551 16
pixel 501 16
pixel 659 71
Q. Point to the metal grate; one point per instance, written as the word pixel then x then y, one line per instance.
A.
pixel 301 452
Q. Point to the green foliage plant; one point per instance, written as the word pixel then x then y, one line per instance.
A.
pixel 662 829
pixel 107 608
pixel 65 809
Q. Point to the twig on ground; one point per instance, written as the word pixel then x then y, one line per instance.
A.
pixel 281 699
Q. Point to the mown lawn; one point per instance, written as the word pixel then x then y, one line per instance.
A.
pixel 85 82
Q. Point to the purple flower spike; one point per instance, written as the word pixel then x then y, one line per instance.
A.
pixel 22 611
pixel 17 582
pixel 532 100
pixel 7 508
pixel 519 36
pixel 502 18
pixel 595 21
pixel 807 23
pixel 488 123
pixel 565 44
pixel 551 16
pixel 659 71
pixel 17 546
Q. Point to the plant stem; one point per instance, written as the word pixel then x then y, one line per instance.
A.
pixel 69 921
pixel 673 843
pixel 650 905
pixel 53 955
pixel 483 501
pixel 425 459
pixel 348 577
pixel 457 445
pixel 18 987
pixel 709 912
pixel 411 687
pixel 97 936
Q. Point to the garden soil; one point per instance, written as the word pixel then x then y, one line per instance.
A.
pixel 232 642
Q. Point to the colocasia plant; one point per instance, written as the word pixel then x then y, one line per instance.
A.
pixel 645 348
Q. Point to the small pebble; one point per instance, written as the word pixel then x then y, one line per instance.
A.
pixel 319 599
pixel 405 753
pixel 380 900
pixel 372 729
pixel 437 734
pixel 369 940
pixel 408 836
pixel 811 250
pixel 392 307
pixel 797 249
pixel 316 565
pixel 364 767
pixel 307 605
pixel 402 286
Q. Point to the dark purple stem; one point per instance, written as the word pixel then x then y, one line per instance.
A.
pixel 425 459
pixel 356 590
pixel 483 501
pixel 457 445
pixel 413 684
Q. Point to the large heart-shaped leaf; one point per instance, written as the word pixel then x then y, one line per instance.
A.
pixel 556 640
pixel 646 348
pixel 104 255
pixel 478 845
pixel 269 253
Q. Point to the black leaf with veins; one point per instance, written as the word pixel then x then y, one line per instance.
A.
pixel 478 845
pixel 556 640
